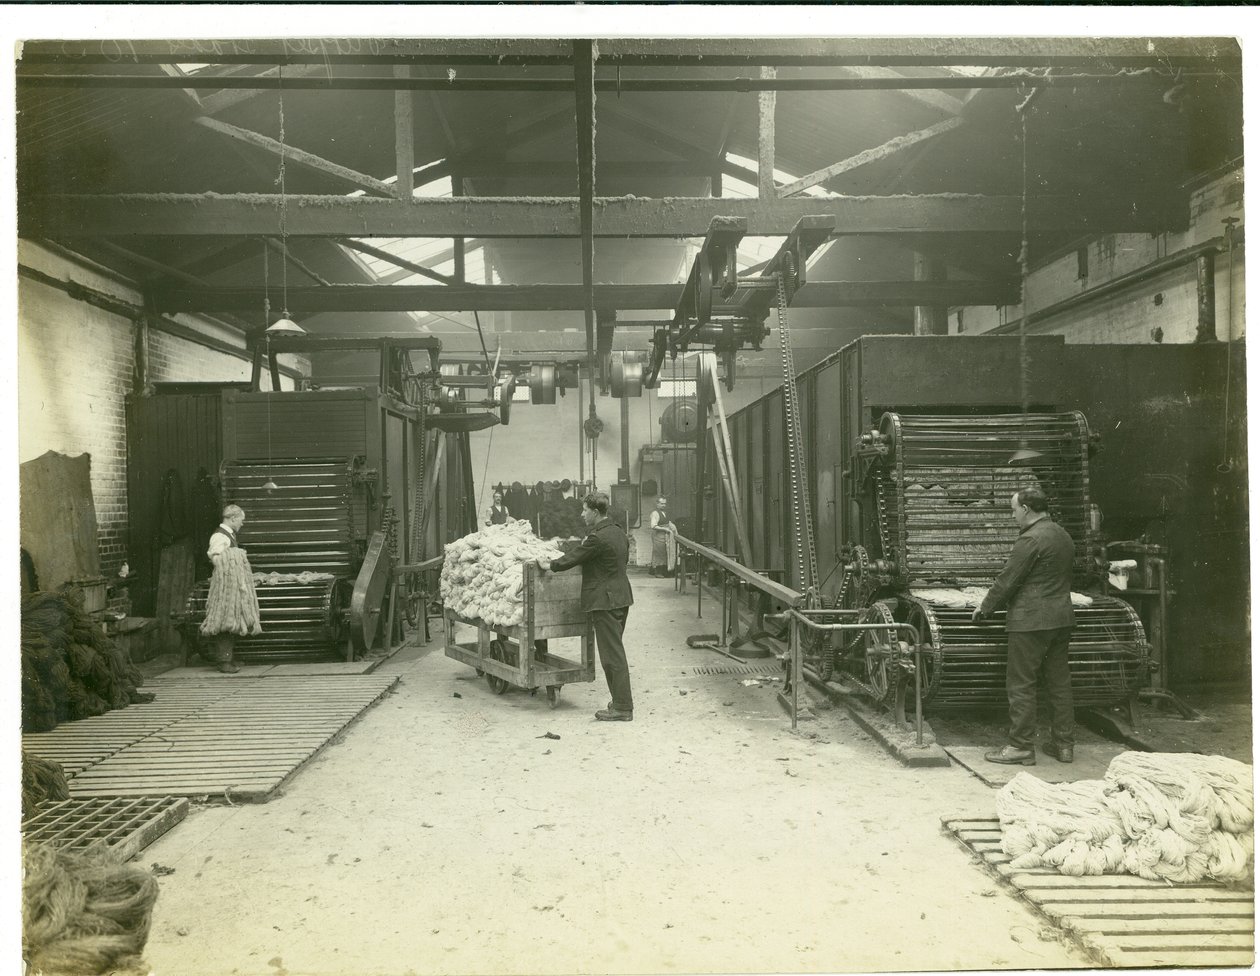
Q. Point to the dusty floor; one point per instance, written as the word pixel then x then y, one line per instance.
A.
pixel 444 834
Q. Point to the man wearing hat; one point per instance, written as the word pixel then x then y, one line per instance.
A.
pixel 664 548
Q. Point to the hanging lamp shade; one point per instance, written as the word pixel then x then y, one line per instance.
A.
pixel 269 485
pixel 284 326
pixel 1025 455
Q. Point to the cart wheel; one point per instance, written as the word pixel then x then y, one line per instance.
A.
pixel 553 695
pixel 497 652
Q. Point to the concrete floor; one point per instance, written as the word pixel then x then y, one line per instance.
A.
pixel 444 834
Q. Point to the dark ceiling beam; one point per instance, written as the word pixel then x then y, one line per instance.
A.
pixel 297 156
pixel 547 297
pixel 866 157
pixel 743 84
pixel 698 52
pixel 61 216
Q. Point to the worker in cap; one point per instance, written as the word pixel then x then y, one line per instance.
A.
pixel 664 546
pixel 1035 587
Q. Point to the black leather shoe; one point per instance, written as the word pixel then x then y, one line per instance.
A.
pixel 227 667
pixel 1063 753
pixel 1010 756
pixel 614 715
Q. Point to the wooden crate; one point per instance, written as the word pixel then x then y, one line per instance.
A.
pixel 552 609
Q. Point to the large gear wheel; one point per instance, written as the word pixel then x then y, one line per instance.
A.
pixel 879 649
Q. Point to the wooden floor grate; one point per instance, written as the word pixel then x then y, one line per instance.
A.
pixel 125 826
pixel 239 740
pixel 1123 920
pixel 761 671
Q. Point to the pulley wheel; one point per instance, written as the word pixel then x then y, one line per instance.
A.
pixel 542 384
pixel 878 648
pixel 703 294
pixel 504 395
pixel 627 379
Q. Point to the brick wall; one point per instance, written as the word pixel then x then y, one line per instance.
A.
pixel 1161 308
pixel 75 367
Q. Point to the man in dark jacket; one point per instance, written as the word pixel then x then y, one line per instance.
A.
pixel 606 598
pixel 1035 586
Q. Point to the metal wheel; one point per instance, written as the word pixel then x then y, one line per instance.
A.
pixel 553 695
pixel 920 616
pixel 878 648
pixel 498 653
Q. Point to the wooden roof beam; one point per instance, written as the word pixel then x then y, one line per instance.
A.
pixel 61 216
pixel 866 157
pixel 552 297
pixel 1138 51
pixel 297 156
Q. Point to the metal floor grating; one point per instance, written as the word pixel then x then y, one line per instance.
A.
pixel 759 671
pixel 1123 921
pixel 125 825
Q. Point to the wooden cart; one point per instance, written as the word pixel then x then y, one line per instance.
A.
pixel 553 609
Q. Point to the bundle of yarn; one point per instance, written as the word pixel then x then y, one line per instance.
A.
pixel 482 576
pixel 84 912
pixel 1162 816
pixel 43 782
pixel 70 668
pixel 232 602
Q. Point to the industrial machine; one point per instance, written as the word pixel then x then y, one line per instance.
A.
pixel 346 490
pixel 934 491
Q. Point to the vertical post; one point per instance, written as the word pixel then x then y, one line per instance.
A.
pixel 625 441
pixel 1206 328
pixel 580 432
pixel 794 653
pixel 457 190
pixel 929 319
pixel 765 138
pixel 584 94
pixel 404 138
pixel 715 178
pixel 699 583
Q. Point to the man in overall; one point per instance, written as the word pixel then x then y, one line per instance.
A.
pixel 606 598
pixel 1035 586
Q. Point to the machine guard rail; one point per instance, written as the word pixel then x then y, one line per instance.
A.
pixel 798 618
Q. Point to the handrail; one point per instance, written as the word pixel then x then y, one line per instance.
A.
pixel 784 594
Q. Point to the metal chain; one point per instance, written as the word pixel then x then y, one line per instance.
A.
pixel 803 523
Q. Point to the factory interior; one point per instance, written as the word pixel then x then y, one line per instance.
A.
pixel 804 313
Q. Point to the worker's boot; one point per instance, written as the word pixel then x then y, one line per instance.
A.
pixel 226 646
pixel 1012 756
pixel 614 715
pixel 1063 753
